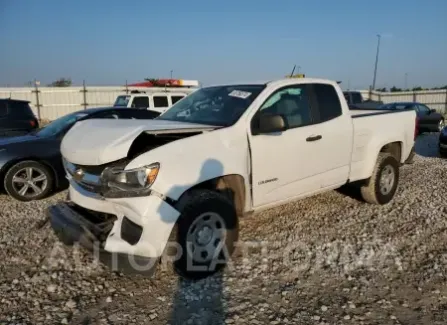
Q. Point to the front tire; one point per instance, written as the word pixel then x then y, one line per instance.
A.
pixel 207 232
pixel 382 185
pixel 28 180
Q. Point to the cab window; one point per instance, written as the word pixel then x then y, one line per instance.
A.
pixel 292 103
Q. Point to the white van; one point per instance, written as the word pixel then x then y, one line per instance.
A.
pixel 158 101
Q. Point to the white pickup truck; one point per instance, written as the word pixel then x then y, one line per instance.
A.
pixel 177 185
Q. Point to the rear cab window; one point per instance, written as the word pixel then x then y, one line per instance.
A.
pixel 327 102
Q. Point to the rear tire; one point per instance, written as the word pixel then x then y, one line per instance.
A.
pixel 207 231
pixel 382 186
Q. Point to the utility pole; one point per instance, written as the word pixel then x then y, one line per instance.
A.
pixel 377 60
pixel 406 80
pixel 171 74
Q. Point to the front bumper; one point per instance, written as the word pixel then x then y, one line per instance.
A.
pixel 130 235
pixel 71 227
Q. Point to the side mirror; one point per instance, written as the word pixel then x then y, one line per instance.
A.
pixel 271 123
pixel 431 111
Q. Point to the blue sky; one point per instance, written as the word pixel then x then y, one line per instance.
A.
pixel 107 42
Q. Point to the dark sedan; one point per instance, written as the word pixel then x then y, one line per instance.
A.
pixel 429 120
pixel 31 165
pixel 443 142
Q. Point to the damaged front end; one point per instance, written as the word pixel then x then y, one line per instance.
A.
pixel 74 224
pixel 111 210
pixel 113 180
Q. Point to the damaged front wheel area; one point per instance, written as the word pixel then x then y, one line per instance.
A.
pixel 207 232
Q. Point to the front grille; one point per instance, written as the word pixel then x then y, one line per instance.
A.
pixel 93 188
pixel 97 170
pixel 89 177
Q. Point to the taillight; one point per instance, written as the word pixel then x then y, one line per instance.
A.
pixel 33 123
pixel 416 128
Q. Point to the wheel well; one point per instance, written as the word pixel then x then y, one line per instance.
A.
pixel 40 161
pixel 393 148
pixel 232 186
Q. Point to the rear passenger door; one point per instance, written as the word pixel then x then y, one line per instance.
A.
pixel 334 131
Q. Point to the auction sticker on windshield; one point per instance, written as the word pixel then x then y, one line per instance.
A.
pixel 240 94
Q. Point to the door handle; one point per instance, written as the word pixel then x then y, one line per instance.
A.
pixel 314 138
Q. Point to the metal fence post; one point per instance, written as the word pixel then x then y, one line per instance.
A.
pixel 36 91
pixel 414 96
pixel 84 90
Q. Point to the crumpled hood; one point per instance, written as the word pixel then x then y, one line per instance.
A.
pixel 100 141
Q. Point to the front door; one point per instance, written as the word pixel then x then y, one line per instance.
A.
pixel 313 153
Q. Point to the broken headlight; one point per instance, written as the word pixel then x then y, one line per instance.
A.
pixel 132 182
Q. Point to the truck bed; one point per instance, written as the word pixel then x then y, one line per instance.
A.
pixel 368 112
pixel 375 128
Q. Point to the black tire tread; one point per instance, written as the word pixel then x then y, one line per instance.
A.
pixel 369 191
pixel 195 200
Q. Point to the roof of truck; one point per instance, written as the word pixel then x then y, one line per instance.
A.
pixel 284 81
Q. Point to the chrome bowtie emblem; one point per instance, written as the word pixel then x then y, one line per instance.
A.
pixel 78 174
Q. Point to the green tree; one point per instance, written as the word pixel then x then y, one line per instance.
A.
pixel 394 89
pixel 61 82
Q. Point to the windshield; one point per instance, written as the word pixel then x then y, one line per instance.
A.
pixel 60 124
pixel 220 105
pixel 122 101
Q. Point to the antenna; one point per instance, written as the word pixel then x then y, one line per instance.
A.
pixel 293 70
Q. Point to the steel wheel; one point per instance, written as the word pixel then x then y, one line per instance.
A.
pixel 29 182
pixel 387 178
pixel 206 237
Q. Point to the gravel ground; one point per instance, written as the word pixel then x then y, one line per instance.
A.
pixel 330 259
